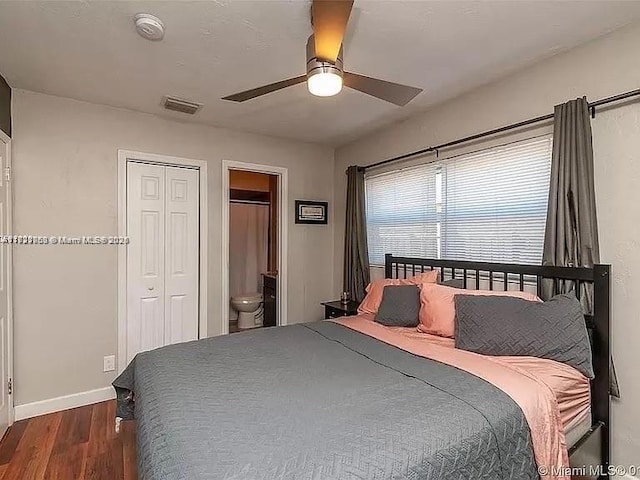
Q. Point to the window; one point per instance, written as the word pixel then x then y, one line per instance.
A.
pixel 486 206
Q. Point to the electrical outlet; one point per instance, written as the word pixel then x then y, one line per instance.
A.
pixel 109 363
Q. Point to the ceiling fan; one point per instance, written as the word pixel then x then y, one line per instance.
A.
pixel 325 74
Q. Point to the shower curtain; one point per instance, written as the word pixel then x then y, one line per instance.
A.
pixel 248 244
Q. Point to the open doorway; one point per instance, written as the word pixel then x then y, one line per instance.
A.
pixel 253 249
pixel 255 219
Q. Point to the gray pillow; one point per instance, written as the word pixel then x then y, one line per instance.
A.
pixel 400 306
pixel 555 329
pixel 453 283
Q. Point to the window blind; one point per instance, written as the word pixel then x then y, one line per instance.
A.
pixel 485 206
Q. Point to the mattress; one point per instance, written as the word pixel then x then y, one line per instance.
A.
pixel 318 401
pixel 537 399
pixel 578 428
pixel 570 387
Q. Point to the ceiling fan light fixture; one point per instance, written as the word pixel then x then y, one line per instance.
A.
pixel 325 69
pixel 324 83
pixel 324 79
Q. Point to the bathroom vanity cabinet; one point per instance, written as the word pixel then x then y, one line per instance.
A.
pixel 270 295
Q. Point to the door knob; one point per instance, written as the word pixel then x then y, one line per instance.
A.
pixel 149 288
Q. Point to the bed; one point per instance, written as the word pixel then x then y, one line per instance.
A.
pixel 343 400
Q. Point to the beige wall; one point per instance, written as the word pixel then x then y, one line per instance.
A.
pixel 604 67
pixel 65 164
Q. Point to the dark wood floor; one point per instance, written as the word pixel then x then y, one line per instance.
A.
pixel 77 444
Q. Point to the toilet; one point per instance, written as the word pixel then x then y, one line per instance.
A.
pixel 249 308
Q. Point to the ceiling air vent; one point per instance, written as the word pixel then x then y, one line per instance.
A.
pixel 179 105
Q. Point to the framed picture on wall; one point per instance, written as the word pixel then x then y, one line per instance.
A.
pixel 310 212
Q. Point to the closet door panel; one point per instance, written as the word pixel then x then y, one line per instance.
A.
pixel 181 254
pixel 145 257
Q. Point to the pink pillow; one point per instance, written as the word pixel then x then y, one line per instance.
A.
pixel 432 276
pixel 438 310
pixel 371 302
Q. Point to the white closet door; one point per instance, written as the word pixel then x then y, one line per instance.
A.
pixel 145 257
pixel 181 254
pixel 162 257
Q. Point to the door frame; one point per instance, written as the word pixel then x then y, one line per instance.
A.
pixel 6 139
pixel 124 156
pixel 283 231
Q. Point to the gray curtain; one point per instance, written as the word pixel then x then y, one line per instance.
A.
pixel 356 253
pixel 571 236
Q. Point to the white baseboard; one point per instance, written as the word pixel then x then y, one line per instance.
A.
pixel 57 404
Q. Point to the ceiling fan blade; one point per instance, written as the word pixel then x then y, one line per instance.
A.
pixel 329 18
pixel 388 91
pixel 263 90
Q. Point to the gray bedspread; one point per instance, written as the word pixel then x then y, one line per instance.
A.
pixel 317 401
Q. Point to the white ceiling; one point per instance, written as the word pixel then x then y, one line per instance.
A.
pixel 90 51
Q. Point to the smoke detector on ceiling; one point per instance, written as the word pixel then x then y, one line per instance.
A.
pixel 149 26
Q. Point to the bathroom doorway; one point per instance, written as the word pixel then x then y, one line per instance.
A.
pixel 254 222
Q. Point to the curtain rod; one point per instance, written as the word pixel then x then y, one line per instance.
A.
pixel 495 131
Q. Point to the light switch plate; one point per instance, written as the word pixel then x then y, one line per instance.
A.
pixel 109 363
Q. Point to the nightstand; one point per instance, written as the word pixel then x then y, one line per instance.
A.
pixel 338 309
